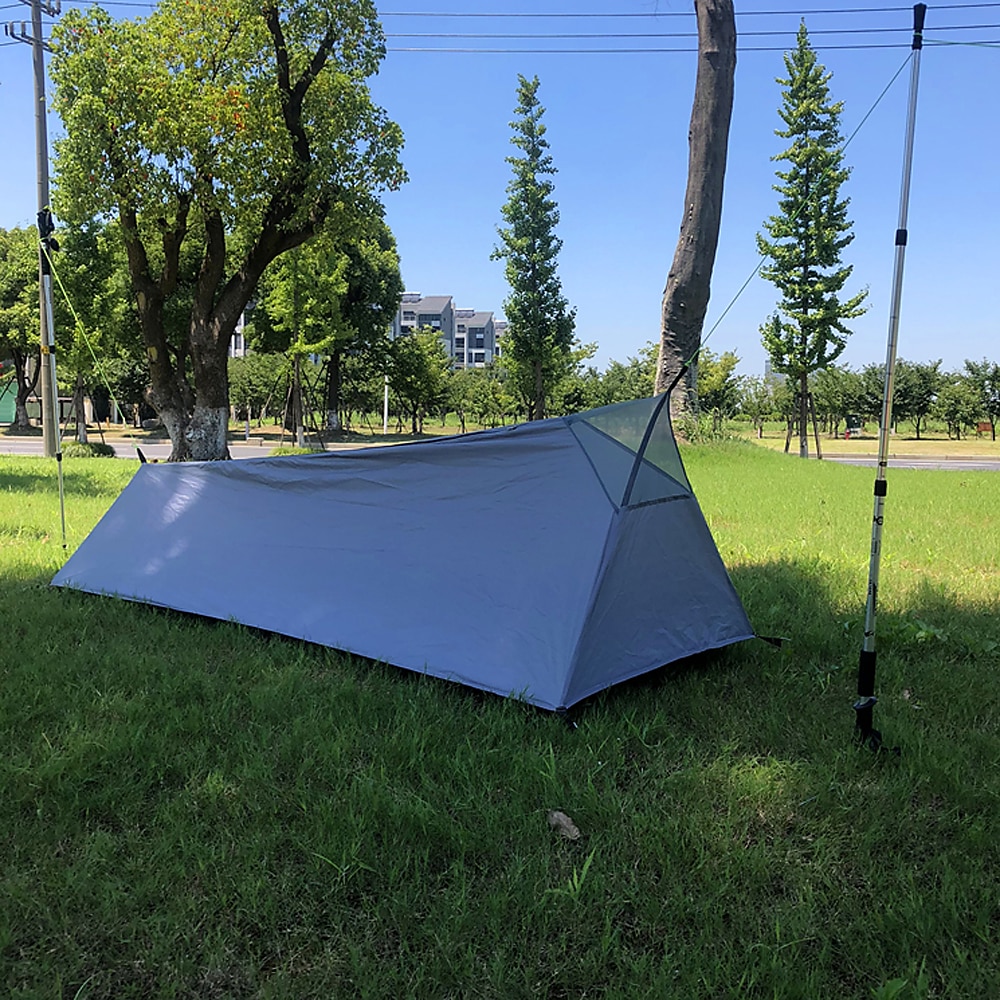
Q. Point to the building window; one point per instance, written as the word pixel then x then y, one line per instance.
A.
pixel 461 328
pixel 480 357
pixel 459 343
pixel 409 317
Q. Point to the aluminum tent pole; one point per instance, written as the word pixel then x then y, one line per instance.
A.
pixel 865 704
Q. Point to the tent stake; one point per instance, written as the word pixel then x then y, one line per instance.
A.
pixel 865 705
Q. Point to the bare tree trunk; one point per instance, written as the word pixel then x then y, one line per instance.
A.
pixel 25 387
pixel 80 409
pixel 333 379
pixel 685 299
pixel 297 407
pixel 803 415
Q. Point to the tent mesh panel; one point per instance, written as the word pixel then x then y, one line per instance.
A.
pixel 623 446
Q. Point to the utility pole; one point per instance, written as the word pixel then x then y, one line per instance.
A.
pixel 46 243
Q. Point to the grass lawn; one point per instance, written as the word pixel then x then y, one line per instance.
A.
pixel 932 442
pixel 194 809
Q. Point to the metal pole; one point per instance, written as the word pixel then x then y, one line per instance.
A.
pixel 865 704
pixel 385 407
pixel 50 400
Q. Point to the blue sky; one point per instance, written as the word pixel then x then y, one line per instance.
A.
pixel 617 125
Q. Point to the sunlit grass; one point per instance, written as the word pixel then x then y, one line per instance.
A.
pixel 194 809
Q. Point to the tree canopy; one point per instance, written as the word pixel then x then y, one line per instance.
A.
pixel 540 323
pixel 805 239
pixel 225 133
pixel 19 339
pixel 328 299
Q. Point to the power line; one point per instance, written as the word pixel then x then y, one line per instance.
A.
pixel 664 14
pixel 799 208
pixel 679 34
pixel 986 44
pixel 650 50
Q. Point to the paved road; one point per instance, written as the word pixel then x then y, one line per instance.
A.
pixel 952 464
pixel 238 449
pixel 126 449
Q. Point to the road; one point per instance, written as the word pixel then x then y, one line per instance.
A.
pixel 971 464
pixel 160 450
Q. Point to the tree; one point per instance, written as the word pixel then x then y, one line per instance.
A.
pixel 805 239
pixel 835 391
pixel 915 388
pixel 685 298
pixel 871 389
pixel 328 299
pixel 95 317
pixel 252 383
pixel 127 381
pixel 718 385
pixel 19 341
pixel 226 134
pixel 984 376
pixel 374 288
pixel 539 337
pixel 631 379
pixel 418 374
pixel 958 404
pixel 580 387
pixel 492 403
pixel 757 401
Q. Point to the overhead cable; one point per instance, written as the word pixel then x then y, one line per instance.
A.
pixel 675 13
pixel 678 34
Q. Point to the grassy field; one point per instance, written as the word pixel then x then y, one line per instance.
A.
pixel 193 809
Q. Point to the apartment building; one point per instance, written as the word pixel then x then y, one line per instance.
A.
pixel 469 335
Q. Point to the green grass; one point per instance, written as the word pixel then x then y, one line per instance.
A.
pixel 195 809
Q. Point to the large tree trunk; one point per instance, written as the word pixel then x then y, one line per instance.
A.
pixel 197 421
pixel 685 298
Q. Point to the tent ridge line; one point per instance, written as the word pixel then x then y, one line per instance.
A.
pixel 610 539
pixel 633 475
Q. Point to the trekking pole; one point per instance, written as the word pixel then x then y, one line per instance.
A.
pixel 864 706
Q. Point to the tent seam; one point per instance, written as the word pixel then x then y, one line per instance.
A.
pixel 612 534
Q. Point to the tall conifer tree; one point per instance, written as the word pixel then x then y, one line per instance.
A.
pixel 805 239
pixel 540 322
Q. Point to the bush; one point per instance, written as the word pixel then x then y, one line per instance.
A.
pixel 76 449
pixel 290 449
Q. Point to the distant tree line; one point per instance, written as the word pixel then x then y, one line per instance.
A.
pixel 330 307
pixel 961 400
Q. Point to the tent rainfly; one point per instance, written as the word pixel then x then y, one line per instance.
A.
pixel 545 561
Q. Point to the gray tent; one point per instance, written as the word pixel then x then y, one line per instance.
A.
pixel 546 561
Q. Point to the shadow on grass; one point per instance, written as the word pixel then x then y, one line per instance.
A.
pixel 814 671
pixel 160 762
pixel 9 430
pixel 935 652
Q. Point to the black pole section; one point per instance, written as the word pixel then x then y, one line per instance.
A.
pixel 865 705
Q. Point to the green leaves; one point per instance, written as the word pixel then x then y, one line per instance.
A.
pixel 18 288
pixel 804 240
pixel 222 130
pixel 540 331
